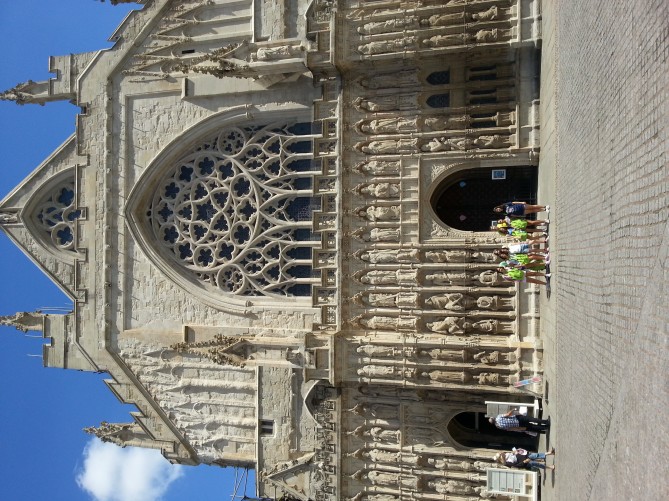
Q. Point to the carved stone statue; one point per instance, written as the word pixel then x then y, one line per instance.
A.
pixel 448 278
pixel 444 354
pixel 24 321
pixel 448 256
pixel 375 350
pixel 385 103
pixel 456 377
pixel 378 190
pixel 280 52
pixel 398 300
pixel 8 218
pixel 375 477
pixel 388 256
pixel 379 168
pixel 453 487
pixel 379 213
pixel 379 411
pixel 395 125
pixel 388 277
pixel 384 46
pixel 494 357
pixel 377 434
pixel 373 497
pixel 490 14
pixel 385 372
pixel 389 26
pixel 436 144
pixel 407 78
pixel 491 278
pixel 492 379
pixel 377 234
pixel 487 302
pixel 448 40
pixel 387 146
pixel 455 301
pixel 450 464
pixel 493 327
pixel 379 322
pixel 451 325
pixel 495 141
pixel 454 122
pixel 443 19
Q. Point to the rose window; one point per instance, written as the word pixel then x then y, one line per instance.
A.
pixel 57 214
pixel 237 211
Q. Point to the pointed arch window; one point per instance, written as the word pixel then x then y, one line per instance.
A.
pixel 236 211
pixel 55 216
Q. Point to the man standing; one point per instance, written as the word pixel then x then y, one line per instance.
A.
pixel 513 421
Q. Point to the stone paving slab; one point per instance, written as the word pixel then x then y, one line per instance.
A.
pixel 604 171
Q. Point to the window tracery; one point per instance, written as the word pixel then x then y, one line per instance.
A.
pixel 237 211
pixel 57 214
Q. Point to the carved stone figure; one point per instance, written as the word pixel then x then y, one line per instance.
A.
pixel 8 218
pixel 493 327
pixel 487 302
pixel 385 103
pixel 455 301
pixel 395 125
pixel 389 256
pixel 388 26
pixel 375 350
pixel 436 144
pixel 377 234
pixel 378 371
pixel 448 278
pixel 378 322
pixel 448 256
pixel 445 376
pixel 373 497
pixel 377 434
pixel 378 190
pixel 494 357
pixel 379 411
pixel 452 325
pixel 443 19
pixel 407 78
pixel 379 213
pixel 399 300
pixel 494 141
pixel 379 168
pixel 491 278
pixel 490 14
pixel 453 487
pixel 450 464
pixel 444 354
pixel 387 146
pixel 447 40
pixel 280 52
pixel 448 122
pixel 384 46
pixel 492 379
pixel 388 277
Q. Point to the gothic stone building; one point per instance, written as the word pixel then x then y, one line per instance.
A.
pixel 272 221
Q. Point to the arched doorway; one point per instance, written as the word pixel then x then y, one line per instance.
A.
pixel 472 429
pixel 465 200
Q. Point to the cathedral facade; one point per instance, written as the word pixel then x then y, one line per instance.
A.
pixel 273 221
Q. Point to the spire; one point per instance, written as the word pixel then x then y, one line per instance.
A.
pixel 26 92
pixel 24 321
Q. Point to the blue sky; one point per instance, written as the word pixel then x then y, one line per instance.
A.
pixel 43 411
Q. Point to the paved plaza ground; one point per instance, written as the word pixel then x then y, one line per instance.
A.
pixel 604 172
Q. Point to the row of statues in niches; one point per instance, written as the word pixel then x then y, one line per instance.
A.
pixel 449 14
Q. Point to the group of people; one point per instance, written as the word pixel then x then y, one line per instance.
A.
pixel 520 458
pixel 524 261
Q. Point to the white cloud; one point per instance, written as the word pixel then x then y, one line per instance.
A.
pixel 112 473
